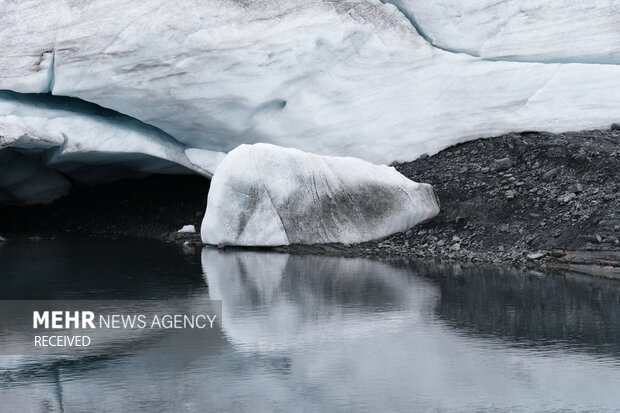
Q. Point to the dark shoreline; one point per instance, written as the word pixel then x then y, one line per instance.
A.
pixel 524 199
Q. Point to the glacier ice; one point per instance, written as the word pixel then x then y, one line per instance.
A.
pixel 549 31
pixel 24 180
pixel 46 141
pixel 350 78
pixel 265 195
pixel 378 81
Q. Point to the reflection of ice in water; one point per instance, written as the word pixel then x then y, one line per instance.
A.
pixel 362 335
pixel 275 301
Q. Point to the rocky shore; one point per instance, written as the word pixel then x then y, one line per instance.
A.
pixel 525 199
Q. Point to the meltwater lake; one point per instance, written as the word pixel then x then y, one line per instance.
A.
pixel 322 334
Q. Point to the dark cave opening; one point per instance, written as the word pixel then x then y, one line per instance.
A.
pixel 155 206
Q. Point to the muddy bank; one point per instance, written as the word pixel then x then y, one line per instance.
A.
pixel 524 199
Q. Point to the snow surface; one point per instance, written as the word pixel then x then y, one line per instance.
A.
pixel 350 78
pixel 265 195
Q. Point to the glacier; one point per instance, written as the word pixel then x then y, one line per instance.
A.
pixel 266 195
pixel 381 81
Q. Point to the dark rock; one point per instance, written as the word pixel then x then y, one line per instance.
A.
pixel 576 188
pixel 566 198
pixel 550 175
pixel 615 126
pixel 609 223
pixel 502 164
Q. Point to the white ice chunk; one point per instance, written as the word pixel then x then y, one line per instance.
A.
pixel 187 229
pixel 265 195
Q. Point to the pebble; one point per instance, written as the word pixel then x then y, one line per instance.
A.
pixel 609 222
pixel 502 164
pixel 576 188
pixel 567 197
pixel 550 175
pixel 535 256
pixel 456 247
pixel 510 194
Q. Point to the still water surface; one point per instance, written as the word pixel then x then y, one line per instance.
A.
pixel 319 334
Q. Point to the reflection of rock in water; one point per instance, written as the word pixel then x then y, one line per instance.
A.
pixel 273 300
pixel 524 307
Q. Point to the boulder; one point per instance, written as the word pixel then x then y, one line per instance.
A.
pixel 266 195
